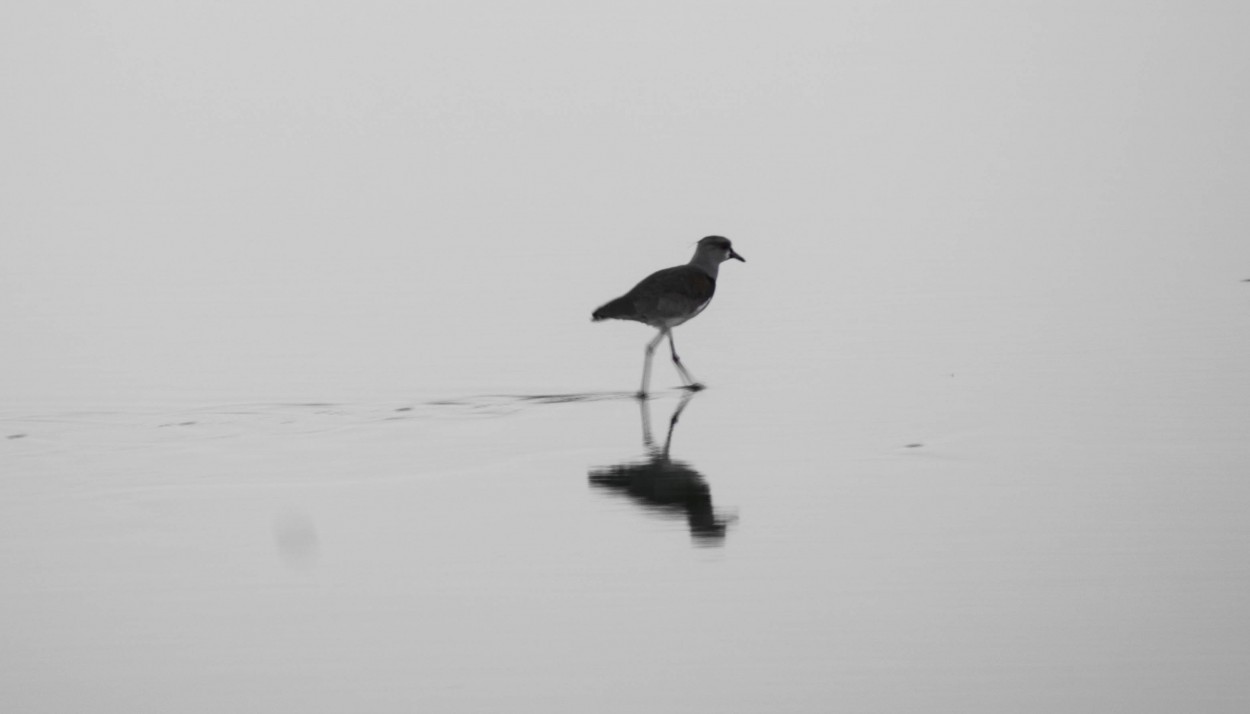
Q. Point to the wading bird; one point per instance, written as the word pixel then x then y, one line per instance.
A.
pixel 669 297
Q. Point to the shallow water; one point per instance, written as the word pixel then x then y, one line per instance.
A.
pixel 1034 532
pixel 301 408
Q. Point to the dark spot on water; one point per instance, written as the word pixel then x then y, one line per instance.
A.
pixel 16 436
pixel 297 538
pixel 404 409
pixel 916 445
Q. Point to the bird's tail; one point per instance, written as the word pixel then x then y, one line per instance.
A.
pixel 617 308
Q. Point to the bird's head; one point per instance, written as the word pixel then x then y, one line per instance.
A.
pixel 719 248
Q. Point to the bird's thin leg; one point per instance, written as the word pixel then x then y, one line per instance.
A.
pixel 689 381
pixel 646 364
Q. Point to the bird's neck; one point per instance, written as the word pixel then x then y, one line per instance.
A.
pixel 707 263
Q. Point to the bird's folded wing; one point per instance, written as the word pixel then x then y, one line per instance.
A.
pixel 674 292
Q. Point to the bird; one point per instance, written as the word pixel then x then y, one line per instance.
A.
pixel 670 297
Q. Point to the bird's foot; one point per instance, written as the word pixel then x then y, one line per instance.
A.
pixel 694 387
pixel 640 395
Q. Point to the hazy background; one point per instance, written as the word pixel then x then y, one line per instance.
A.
pixel 198 195
pixel 1015 233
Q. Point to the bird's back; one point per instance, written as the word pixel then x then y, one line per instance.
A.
pixel 667 297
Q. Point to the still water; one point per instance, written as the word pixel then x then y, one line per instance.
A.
pixel 879 508
pixel 301 407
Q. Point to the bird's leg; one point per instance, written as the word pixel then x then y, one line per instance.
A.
pixel 646 365
pixel 689 381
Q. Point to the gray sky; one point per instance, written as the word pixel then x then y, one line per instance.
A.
pixel 190 184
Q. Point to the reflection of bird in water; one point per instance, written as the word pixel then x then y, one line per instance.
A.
pixel 663 485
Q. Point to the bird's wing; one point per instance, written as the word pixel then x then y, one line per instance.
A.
pixel 673 292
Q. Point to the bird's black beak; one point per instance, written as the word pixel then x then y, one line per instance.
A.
pixel 735 256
